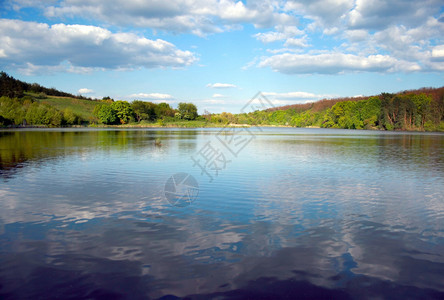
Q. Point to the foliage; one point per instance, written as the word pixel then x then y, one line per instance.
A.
pixel 70 117
pixel 123 111
pixel 187 111
pixel 11 111
pixel 163 110
pixel 403 111
pixel 80 107
pixel 143 110
pixel 26 112
pixel 106 114
pixel 43 114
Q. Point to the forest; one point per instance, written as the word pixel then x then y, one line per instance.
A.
pixel 419 110
pixel 24 104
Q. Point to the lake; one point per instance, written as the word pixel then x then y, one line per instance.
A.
pixel 221 213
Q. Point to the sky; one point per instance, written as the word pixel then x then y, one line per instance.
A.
pixel 219 54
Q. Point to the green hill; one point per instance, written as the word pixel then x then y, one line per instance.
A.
pixel 81 107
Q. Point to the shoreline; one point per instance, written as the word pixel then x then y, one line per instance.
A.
pixel 212 125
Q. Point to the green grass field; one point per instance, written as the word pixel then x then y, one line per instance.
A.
pixel 82 108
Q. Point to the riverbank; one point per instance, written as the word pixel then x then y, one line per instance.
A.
pixel 182 125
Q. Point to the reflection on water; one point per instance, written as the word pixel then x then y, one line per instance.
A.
pixel 300 213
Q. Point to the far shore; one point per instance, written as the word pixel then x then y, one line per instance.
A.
pixel 208 125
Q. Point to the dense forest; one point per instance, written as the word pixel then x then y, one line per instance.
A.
pixel 28 104
pixel 419 110
pixel 410 110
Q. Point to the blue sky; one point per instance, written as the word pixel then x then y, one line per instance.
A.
pixel 220 53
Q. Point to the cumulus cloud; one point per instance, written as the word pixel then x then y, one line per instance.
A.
pixel 214 101
pixel 295 95
pixel 323 12
pixel 158 96
pixel 218 96
pixel 80 46
pixel 221 85
pixel 359 35
pixel 333 63
pixel 84 91
pixel 294 42
pixel 438 52
pixel 355 35
pixel 280 33
pixel 383 13
pixel 279 99
pixel 199 17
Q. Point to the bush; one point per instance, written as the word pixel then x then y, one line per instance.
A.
pixel 106 114
pixel 69 117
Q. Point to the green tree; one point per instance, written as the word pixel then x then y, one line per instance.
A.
pixel 369 111
pixel 188 111
pixel 43 114
pixel 69 117
pixel 163 110
pixel 12 111
pixel 422 103
pixel 123 111
pixel 143 110
pixel 106 114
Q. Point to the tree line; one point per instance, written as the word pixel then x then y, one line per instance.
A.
pixel 21 104
pixel 26 111
pixel 410 110
pixel 14 88
pixel 123 112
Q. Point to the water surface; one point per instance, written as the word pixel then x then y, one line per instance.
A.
pixel 306 213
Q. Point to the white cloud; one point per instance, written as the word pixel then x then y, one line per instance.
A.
pixel 355 35
pixel 380 14
pixel 199 17
pixel 281 33
pixel 221 85
pixel 80 46
pixel 157 96
pixel 323 12
pixel 438 52
pixel 295 95
pixel 84 91
pixel 218 96
pixel 214 101
pixel 293 42
pixel 333 63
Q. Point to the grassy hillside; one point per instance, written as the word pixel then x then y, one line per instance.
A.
pixel 82 108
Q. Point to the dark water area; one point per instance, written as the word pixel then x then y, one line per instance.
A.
pixel 287 213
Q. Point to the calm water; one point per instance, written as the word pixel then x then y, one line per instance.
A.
pixel 296 213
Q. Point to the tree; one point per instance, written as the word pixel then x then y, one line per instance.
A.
pixel 70 117
pixel 43 114
pixel 188 111
pixel 123 111
pixel 422 103
pixel 106 114
pixel 143 110
pixel 12 111
pixel 369 111
pixel 163 110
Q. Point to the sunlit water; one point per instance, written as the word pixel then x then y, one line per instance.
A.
pixel 296 213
